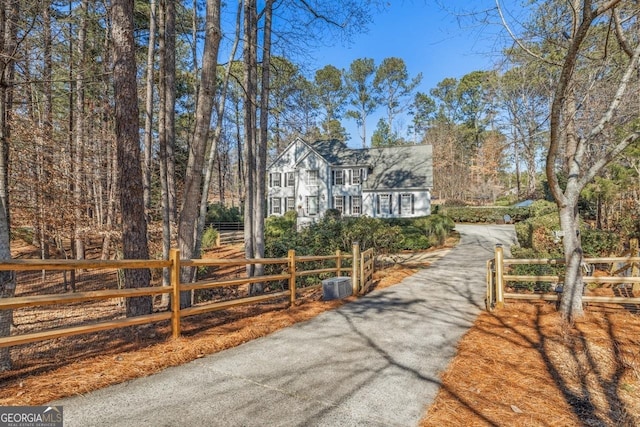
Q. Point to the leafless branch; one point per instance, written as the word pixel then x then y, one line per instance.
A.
pixel 622 40
pixel 505 24
pixel 320 16
pixel 607 117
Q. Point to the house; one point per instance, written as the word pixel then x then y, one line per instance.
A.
pixel 389 182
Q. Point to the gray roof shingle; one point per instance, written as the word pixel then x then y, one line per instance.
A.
pixel 400 167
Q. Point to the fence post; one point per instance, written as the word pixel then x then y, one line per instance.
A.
pixel 490 284
pixel 354 268
pixel 363 278
pixel 499 254
pixel 174 256
pixel 338 262
pixel 292 277
pixel 633 249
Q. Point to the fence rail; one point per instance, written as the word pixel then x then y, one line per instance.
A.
pixel 292 267
pixel 226 226
pixel 497 279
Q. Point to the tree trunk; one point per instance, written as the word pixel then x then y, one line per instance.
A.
pixel 8 45
pixel 193 174
pixel 134 225
pixel 47 149
pixel 148 113
pixel 571 304
pixel 261 161
pixel 78 159
pixel 204 199
pixel 250 60
pixel 163 139
pixel 170 104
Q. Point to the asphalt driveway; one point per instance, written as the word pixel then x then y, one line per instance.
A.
pixel 372 362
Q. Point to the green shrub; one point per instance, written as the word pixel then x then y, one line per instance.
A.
pixel 536 240
pixel 217 212
pixel 532 270
pixel 209 238
pixel 454 203
pixel 436 227
pixel 280 233
pixel 537 233
pixel 489 214
pixel 542 207
pixel 600 243
pixel 23 233
pixel 506 200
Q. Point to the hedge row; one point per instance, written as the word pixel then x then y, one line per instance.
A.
pixel 491 215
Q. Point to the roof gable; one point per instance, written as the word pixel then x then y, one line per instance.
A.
pixel 398 167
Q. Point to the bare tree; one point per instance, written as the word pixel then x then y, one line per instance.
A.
pixel 590 122
pixel 250 105
pixel 193 176
pixel 217 133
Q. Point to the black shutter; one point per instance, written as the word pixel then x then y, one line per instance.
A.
pixel 399 204
pixel 412 207
pixel 378 203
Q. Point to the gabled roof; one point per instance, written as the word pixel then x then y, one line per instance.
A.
pixel 400 167
pixel 405 166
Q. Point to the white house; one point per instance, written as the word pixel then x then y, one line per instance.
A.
pixel 389 182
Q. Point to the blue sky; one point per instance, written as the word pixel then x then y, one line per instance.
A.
pixel 433 37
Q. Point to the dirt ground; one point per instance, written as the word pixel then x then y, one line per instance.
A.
pixel 519 366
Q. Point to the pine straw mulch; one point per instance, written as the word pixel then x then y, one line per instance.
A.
pixel 521 366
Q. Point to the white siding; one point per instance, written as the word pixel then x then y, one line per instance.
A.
pixel 298 158
pixel 421 204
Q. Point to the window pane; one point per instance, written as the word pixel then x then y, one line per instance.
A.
pixel 405 203
pixel 338 177
pixel 356 176
pixel 338 203
pixel 312 177
pixel 275 205
pixel 356 205
pixel 385 205
pixel 291 204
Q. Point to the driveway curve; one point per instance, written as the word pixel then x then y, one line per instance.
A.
pixel 372 362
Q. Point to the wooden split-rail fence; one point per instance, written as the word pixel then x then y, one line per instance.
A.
pixel 361 272
pixel 623 271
